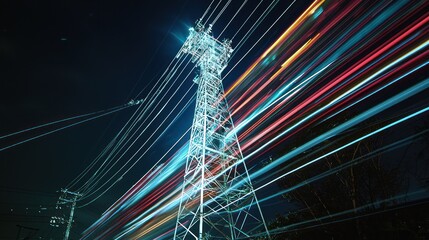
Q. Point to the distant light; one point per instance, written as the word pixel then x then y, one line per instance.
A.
pixel 63 39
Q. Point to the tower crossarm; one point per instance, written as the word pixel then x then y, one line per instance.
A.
pixel 209 53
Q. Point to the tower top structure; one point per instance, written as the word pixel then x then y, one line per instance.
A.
pixel 207 52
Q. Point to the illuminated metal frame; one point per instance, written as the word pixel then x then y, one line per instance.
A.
pixel 217 200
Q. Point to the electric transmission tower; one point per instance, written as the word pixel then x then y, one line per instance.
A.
pixel 217 200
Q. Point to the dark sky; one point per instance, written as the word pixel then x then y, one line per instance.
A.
pixel 65 58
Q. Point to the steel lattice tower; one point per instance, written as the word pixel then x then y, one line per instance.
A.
pixel 217 201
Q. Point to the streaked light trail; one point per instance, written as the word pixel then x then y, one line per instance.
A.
pixel 337 56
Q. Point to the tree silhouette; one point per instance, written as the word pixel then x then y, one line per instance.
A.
pixel 335 194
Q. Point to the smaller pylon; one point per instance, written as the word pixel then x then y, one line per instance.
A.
pixel 65 198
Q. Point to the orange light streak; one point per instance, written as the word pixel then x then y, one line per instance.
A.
pixel 159 223
pixel 309 11
pixel 299 52
pixel 276 74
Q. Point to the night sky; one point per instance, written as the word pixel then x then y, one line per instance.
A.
pixel 61 59
pixel 65 58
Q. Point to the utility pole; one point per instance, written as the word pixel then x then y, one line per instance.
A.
pixel 69 197
pixel 217 200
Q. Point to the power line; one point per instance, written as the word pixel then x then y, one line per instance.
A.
pixel 65 127
pixel 58 121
